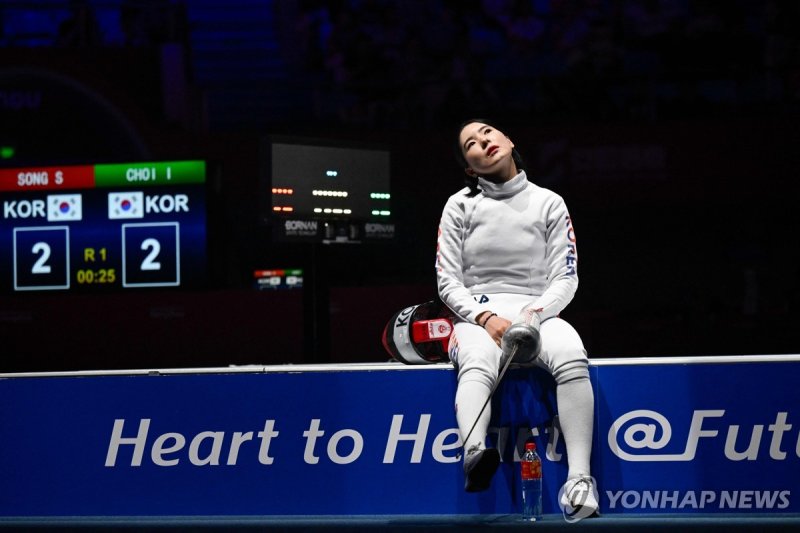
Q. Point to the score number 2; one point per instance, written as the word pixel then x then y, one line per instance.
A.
pixel 42 249
pixel 151 254
pixel 153 247
pixel 41 258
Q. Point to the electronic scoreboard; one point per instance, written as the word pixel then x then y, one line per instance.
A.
pixel 328 191
pixel 104 226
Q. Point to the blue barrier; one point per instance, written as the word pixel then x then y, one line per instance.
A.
pixel 672 435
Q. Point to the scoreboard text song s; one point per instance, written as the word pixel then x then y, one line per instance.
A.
pixel 92 227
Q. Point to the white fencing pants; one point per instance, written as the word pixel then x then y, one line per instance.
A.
pixel 477 360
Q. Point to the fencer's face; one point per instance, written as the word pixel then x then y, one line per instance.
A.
pixel 487 151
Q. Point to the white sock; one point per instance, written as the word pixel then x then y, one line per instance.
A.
pixel 576 416
pixel 470 397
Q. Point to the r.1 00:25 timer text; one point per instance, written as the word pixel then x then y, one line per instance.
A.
pixel 100 276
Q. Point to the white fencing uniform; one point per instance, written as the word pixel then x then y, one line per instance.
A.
pixel 477 357
pixel 508 246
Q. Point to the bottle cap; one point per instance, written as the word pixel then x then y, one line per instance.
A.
pixel 530 445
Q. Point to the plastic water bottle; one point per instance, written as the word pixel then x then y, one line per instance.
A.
pixel 531 483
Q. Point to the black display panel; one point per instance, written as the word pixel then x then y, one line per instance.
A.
pixel 327 191
pixel 333 182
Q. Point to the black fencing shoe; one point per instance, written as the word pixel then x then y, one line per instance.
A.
pixel 479 467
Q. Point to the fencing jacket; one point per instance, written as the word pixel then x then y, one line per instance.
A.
pixel 512 237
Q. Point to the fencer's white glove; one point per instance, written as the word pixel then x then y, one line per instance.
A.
pixel 524 334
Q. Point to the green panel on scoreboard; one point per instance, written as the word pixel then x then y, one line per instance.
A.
pixel 143 174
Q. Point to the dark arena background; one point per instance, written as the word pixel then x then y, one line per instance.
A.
pixel 171 175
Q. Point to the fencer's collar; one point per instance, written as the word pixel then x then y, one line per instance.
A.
pixel 505 189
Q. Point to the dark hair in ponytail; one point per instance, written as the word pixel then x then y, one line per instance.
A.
pixel 472 181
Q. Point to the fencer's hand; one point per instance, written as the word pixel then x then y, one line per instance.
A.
pixel 496 326
pixel 522 340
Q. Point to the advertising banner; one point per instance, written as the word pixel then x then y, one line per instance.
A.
pixel 698 438
pixel 382 439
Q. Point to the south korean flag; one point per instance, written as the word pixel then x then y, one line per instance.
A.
pixel 125 205
pixel 64 207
